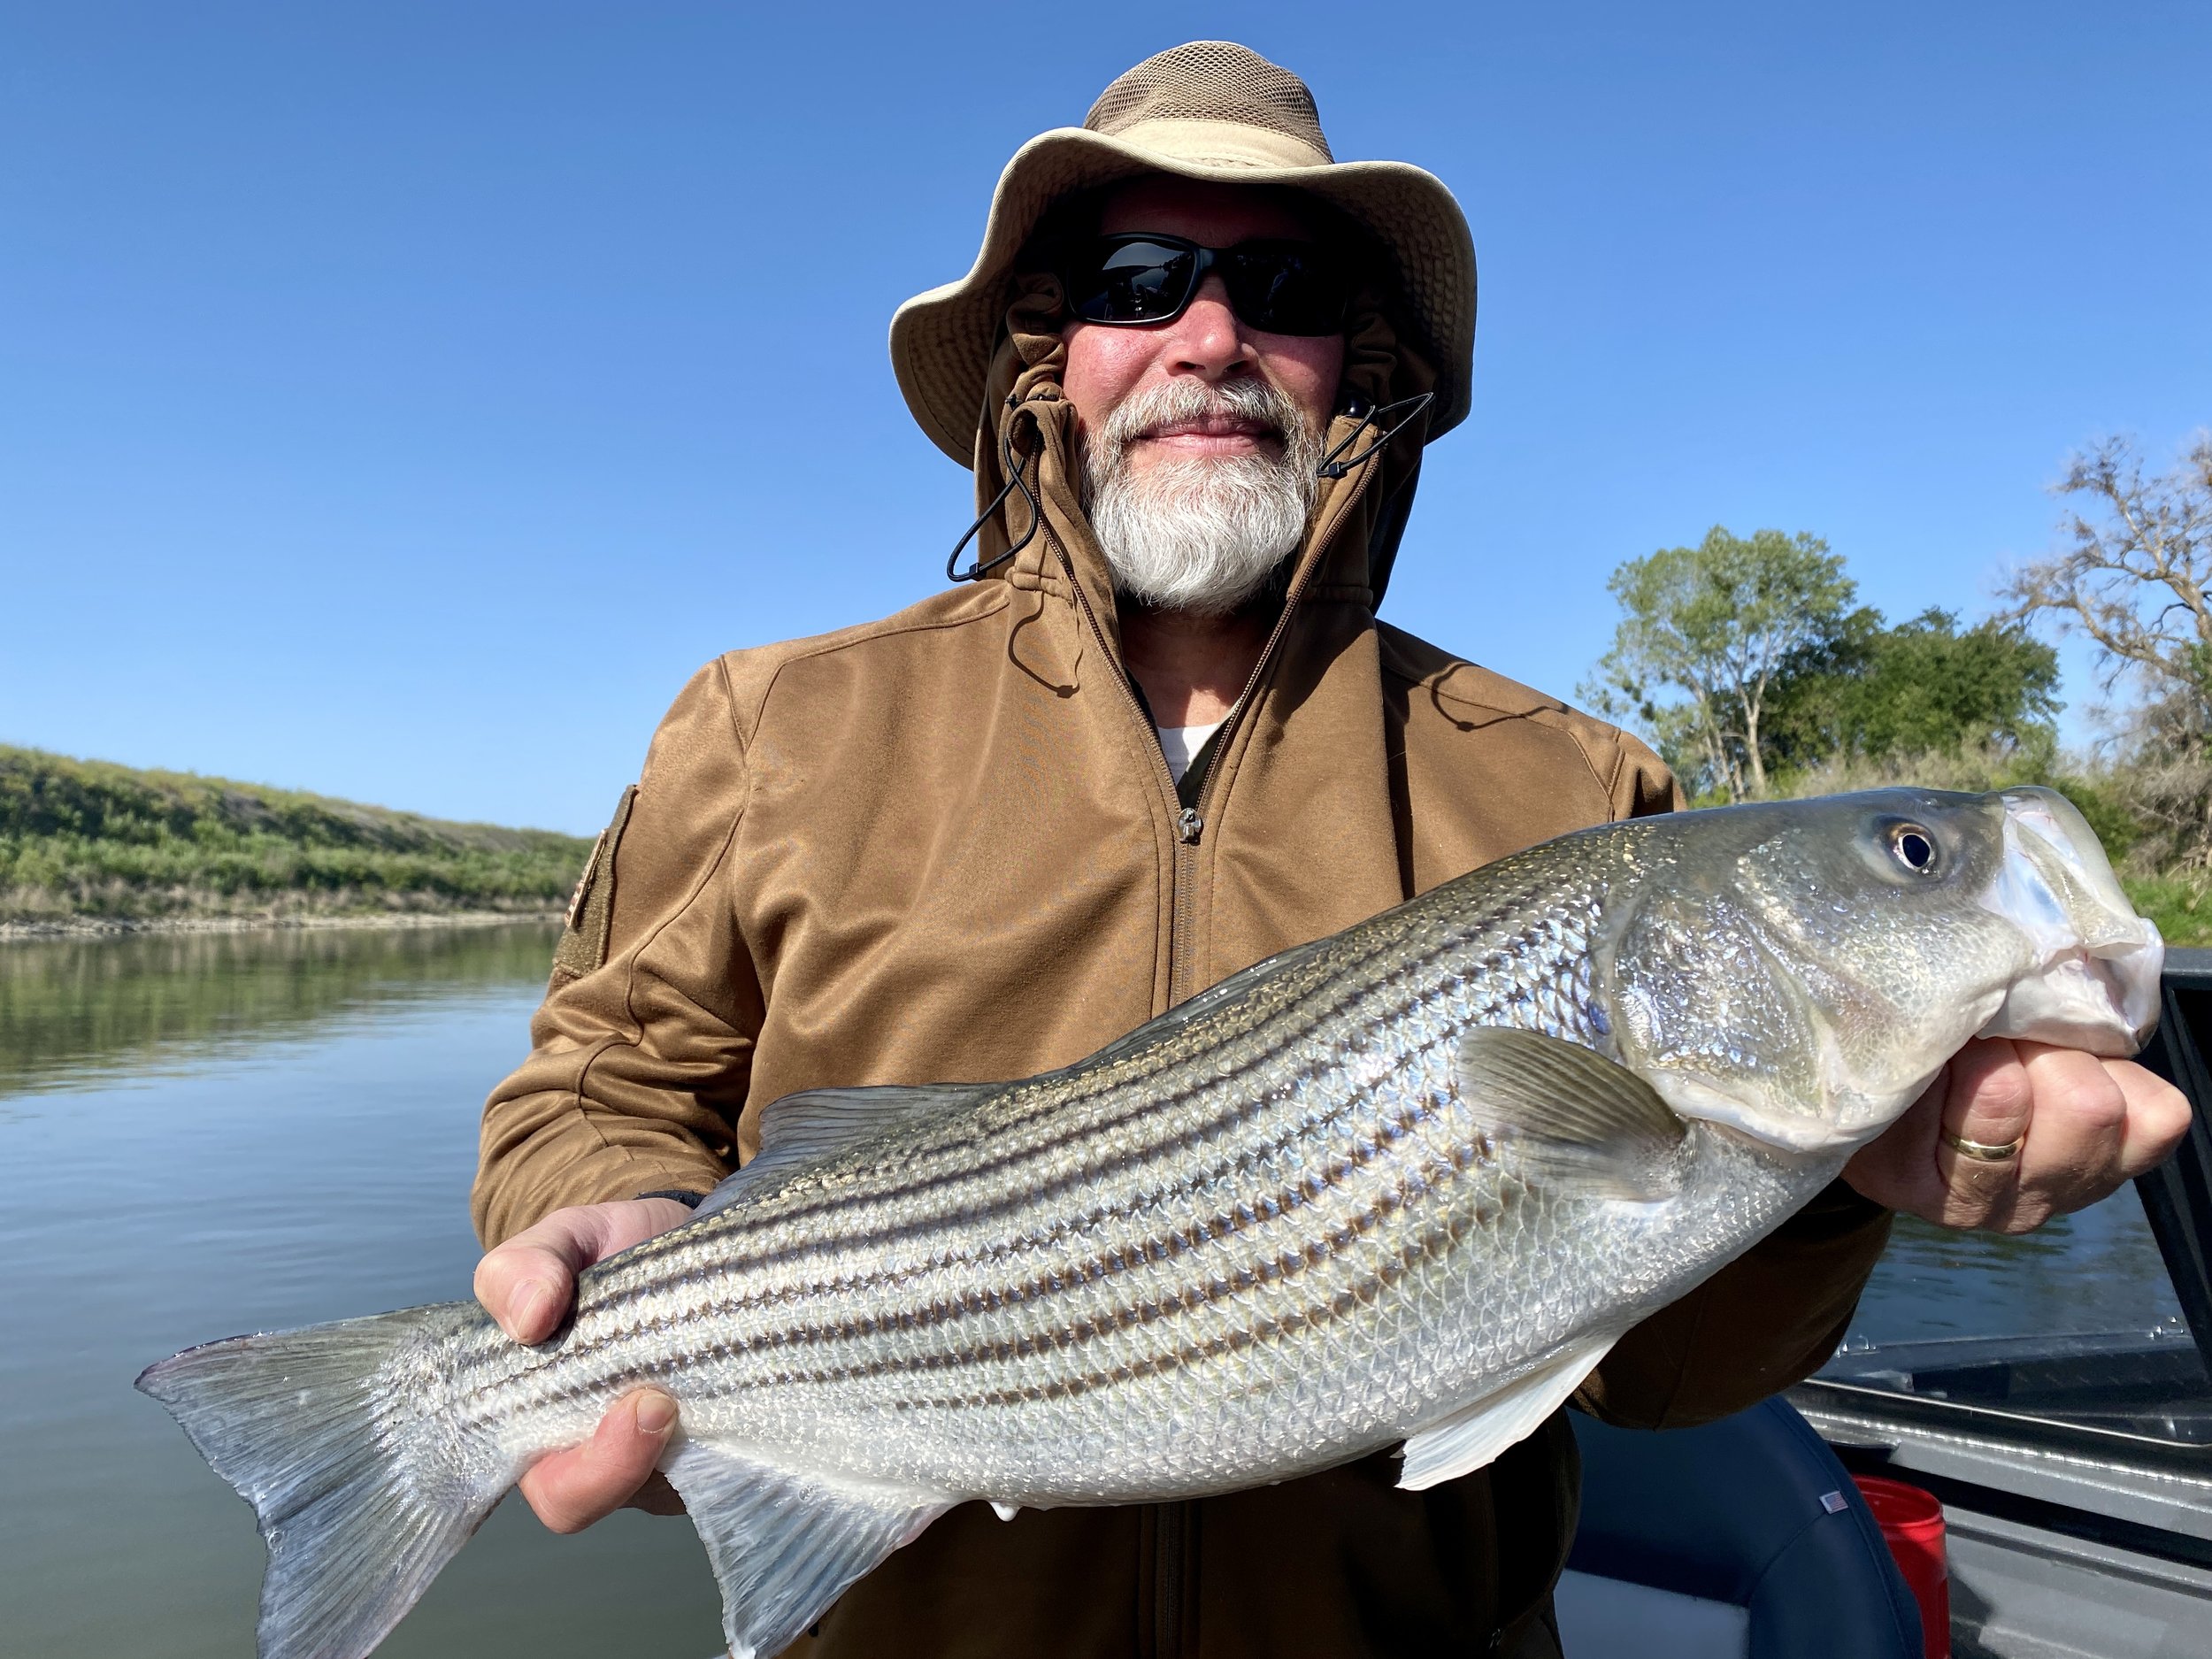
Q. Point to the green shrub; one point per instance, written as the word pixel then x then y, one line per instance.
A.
pixel 2181 906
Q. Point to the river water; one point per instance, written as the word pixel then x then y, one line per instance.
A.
pixel 204 1134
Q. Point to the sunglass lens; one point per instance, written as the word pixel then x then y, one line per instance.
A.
pixel 1131 282
pixel 1286 289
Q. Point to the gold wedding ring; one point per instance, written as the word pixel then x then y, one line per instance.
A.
pixel 1981 1151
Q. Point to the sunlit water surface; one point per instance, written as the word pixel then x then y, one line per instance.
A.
pixel 206 1135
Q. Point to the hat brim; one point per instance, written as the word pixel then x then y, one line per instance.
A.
pixel 941 341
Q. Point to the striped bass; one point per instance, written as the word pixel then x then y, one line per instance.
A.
pixel 1405 1183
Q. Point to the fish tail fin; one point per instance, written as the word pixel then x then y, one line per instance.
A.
pixel 362 1491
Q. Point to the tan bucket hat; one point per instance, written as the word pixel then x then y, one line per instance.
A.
pixel 1211 110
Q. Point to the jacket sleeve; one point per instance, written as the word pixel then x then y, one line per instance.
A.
pixel 1641 783
pixel 642 1048
pixel 1769 1318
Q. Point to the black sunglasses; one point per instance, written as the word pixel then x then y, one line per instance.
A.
pixel 1281 287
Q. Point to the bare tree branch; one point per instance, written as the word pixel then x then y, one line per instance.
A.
pixel 2136 580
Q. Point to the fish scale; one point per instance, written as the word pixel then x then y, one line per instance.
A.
pixel 1405 1183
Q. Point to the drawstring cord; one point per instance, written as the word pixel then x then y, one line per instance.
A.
pixel 1385 423
pixel 1014 480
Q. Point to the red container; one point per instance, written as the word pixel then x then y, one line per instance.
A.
pixel 1912 1525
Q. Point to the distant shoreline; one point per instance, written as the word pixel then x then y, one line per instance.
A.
pixel 115 927
pixel 89 849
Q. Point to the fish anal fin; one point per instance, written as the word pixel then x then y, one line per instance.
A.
pixel 1572 1116
pixel 786 1544
pixel 1476 1432
pixel 819 1123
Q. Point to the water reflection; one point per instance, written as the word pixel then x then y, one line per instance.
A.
pixel 2099 1270
pixel 77 1011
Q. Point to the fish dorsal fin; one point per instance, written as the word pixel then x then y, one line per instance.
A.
pixel 1572 1118
pixel 785 1544
pixel 1213 996
pixel 815 1123
pixel 1475 1434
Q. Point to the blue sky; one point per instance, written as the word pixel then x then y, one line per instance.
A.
pixel 399 401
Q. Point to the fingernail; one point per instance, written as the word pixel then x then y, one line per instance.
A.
pixel 655 1413
pixel 528 1308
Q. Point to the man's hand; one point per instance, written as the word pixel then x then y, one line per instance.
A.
pixel 2084 1125
pixel 528 1284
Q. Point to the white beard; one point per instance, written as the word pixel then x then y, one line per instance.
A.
pixel 1201 533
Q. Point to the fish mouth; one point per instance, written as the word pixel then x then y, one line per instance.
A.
pixel 2095 965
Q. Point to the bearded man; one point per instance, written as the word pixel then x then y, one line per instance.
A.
pixel 1159 736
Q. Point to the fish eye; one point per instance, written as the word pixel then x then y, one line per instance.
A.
pixel 1914 848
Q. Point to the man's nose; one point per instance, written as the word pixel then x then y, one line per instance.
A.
pixel 1209 339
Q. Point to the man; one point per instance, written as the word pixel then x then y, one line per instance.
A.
pixel 954 845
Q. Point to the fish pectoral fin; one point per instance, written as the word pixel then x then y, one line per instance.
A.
pixel 786 1543
pixel 1475 1434
pixel 818 1122
pixel 1572 1116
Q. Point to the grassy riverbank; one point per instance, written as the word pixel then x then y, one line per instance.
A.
pixel 86 841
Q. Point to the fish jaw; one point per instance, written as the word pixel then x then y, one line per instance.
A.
pixel 2094 981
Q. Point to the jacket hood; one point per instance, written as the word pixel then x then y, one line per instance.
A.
pixel 1352 536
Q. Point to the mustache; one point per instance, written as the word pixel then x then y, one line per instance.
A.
pixel 1254 399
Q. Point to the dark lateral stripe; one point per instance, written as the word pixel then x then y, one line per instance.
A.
pixel 695 1270
pixel 957 1164
pixel 1375 971
pixel 960 1163
pixel 1559 983
pixel 1227 1278
pixel 1153 1247
pixel 839 1239
pixel 706 1276
pixel 1430 1244
pixel 1178 1133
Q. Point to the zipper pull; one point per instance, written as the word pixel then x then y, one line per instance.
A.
pixel 1187 826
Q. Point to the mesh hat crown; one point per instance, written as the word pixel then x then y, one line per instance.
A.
pixel 1212 82
pixel 1211 111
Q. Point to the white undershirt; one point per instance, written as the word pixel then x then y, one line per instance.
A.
pixel 1178 744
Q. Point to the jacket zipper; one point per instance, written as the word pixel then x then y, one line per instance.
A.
pixel 1190 822
pixel 1171 1532
pixel 1173 1522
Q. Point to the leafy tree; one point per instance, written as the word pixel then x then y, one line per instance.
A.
pixel 1708 631
pixel 2137 575
pixel 1920 687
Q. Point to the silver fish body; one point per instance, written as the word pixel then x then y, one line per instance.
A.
pixel 1405 1183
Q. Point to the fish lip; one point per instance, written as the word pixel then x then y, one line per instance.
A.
pixel 2096 965
pixel 2104 1000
